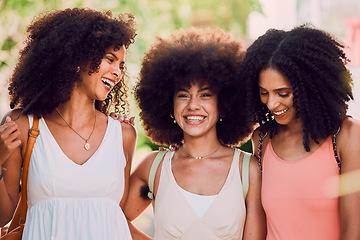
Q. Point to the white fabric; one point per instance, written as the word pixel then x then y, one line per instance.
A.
pixel 69 201
pixel 176 219
pixel 199 203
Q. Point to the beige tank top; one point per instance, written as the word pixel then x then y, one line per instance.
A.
pixel 175 219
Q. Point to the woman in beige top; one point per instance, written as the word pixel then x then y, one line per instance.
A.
pixel 187 95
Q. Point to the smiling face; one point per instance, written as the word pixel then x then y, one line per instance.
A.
pixel 277 94
pixel 196 110
pixel 100 83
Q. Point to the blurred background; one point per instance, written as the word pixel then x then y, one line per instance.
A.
pixel 246 19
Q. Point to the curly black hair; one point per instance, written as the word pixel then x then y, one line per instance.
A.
pixel 315 64
pixel 60 41
pixel 207 56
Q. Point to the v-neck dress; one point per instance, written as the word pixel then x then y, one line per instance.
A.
pixel 175 219
pixel 67 201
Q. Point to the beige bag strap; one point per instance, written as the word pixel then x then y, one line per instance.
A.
pixel 152 173
pixel 245 173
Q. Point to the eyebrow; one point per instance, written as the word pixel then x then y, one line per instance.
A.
pixel 278 89
pixel 113 55
pixel 200 90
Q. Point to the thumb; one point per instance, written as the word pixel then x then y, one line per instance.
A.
pixel 8 119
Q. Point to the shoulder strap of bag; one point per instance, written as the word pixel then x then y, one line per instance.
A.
pixel 33 134
pixel 335 150
pixel 261 140
pixel 19 216
pixel 152 173
pixel 245 173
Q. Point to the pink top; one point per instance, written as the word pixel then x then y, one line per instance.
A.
pixel 296 198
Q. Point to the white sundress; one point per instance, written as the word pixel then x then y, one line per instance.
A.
pixel 69 201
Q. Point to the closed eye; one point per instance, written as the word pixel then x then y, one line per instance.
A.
pixel 263 93
pixel 206 95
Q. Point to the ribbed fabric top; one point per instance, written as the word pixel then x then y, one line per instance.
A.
pixel 295 195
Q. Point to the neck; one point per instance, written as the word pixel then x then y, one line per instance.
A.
pixel 200 147
pixel 75 114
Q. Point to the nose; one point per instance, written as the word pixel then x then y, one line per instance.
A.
pixel 117 73
pixel 272 103
pixel 194 103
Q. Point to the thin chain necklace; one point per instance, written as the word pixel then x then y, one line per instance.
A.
pixel 87 144
pixel 201 157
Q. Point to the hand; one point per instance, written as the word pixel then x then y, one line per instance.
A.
pixel 172 147
pixel 122 118
pixel 9 139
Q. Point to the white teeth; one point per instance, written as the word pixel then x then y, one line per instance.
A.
pixel 108 82
pixel 195 118
pixel 281 112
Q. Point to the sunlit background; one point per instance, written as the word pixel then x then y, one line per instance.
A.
pixel 246 19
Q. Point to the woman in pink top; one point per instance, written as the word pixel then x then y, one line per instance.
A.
pixel 298 88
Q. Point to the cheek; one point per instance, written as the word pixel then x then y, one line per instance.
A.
pixel 263 99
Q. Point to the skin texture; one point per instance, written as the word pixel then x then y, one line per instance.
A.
pixel 303 72
pixel 86 92
pixel 195 98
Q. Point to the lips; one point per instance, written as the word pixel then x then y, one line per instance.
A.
pixel 194 119
pixel 280 113
pixel 108 83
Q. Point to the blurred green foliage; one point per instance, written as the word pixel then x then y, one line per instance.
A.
pixel 154 18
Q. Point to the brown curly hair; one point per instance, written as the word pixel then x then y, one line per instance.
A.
pixel 208 56
pixel 57 43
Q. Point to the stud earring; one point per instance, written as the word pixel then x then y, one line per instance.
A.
pixel 220 119
pixel 172 117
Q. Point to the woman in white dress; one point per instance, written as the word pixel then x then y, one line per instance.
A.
pixel 70 72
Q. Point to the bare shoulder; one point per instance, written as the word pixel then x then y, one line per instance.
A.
pixel 347 143
pixel 254 169
pixel 349 132
pixel 128 131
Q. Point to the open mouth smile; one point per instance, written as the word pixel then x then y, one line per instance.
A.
pixel 108 83
pixel 279 113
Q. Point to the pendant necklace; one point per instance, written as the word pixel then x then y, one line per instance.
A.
pixel 87 144
pixel 201 157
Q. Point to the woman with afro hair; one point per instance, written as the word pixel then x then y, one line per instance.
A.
pixel 70 72
pixel 298 87
pixel 187 96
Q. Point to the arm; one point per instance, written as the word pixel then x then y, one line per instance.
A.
pixel 255 224
pixel 136 203
pixel 13 136
pixel 129 143
pixel 348 145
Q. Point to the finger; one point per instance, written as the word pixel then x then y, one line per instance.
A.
pixel 14 144
pixel 8 119
pixel 126 118
pixel 115 116
pixel 132 121
pixel 7 128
